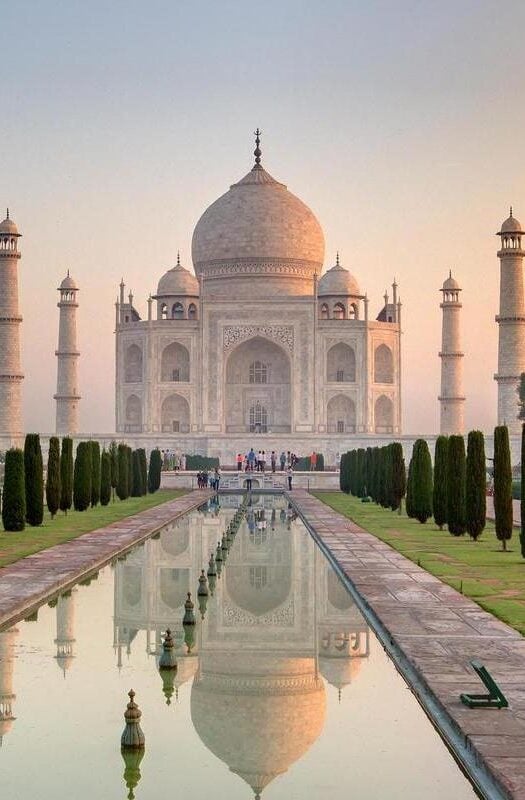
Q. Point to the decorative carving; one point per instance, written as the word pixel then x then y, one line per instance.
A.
pixel 281 617
pixel 234 334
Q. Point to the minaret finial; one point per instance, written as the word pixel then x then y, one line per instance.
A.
pixel 450 273
pixel 257 152
pixel 337 259
pixel 178 258
pixel 510 212
pixel 68 273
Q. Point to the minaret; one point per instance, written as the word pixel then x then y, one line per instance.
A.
pixel 451 397
pixel 65 611
pixel 511 321
pixel 7 696
pixel 67 395
pixel 11 375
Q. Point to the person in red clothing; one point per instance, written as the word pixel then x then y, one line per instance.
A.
pixel 313 462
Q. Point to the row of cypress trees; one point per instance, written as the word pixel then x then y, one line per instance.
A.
pixel 453 492
pixel 91 478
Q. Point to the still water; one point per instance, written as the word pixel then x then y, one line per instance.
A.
pixel 281 691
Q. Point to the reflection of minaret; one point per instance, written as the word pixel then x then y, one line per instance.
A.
pixel 7 696
pixel 65 627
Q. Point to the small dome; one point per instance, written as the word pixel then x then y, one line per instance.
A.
pixel 338 280
pixel 451 284
pixel 511 224
pixel 177 281
pixel 68 282
pixel 8 226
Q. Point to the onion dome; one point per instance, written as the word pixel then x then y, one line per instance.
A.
pixel 511 224
pixel 258 228
pixel 338 280
pixel 8 226
pixel 451 284
pixel 178 281
pixel 68 283
pixel 339 672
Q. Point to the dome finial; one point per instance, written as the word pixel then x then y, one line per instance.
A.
pixel 510 211
pixel 337 259
pixel 257 152
pixel 178 258
pixel 8 214
pixel 450 273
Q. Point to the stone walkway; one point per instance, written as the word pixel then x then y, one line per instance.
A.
pixel 27 583
pixel 432 632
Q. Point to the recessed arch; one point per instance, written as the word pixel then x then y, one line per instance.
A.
pixel 133 413
pixel 133 364
pixel 341 414
pixel 325 314
pixel 339 311
pixel 384 415
pixel 340 363
pixel 175 363
pixel 177 311
pixel 383 364
pixel 175 414
pixel 192 311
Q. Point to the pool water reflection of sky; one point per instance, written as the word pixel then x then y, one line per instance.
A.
pixel 284 693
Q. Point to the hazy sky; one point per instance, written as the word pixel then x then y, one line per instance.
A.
pixel 401 124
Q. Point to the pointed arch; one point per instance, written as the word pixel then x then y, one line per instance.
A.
pixel 383 364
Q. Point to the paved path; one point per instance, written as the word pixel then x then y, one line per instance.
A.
pixel 27 583
pixel 432 632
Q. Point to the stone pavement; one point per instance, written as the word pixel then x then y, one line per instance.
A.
pixel 516 510
pixel 431 631
pixel 27 583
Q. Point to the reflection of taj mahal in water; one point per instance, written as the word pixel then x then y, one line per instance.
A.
pixel 278 623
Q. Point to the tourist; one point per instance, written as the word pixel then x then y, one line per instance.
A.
pixel 289 473
pixel 249 481
pixel 216 479
pixel 251 459
pixel 239 462
pixel 313 461
pixel 282 459
pixel 288 459
pixel 273 460
pixel 263 461
pixel 259 461
pixel 183 462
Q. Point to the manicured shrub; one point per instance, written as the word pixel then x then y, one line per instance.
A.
pixel 385 485
pixel 53 477
pixel 422 481
pixel 502 485
pixel 122 482
pixel 201 462
pixel 105 478
pixel 155 467
pixel 456 486
pixel 360 472
pixel 129 452
pixel 522 494
pixel 399 480
pixel 66 474
pixel 95 473
pixel 375 475
pixel 34 479
pixel 14 495
pixel 113 458
pixel 476 484
pixel 82 477
pixel 439 500
pixel 136 489
pixel 143 471
pixel 409 505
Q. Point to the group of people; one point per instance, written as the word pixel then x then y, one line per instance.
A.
pixel 205 479
pixel 172 460
pixel 258 462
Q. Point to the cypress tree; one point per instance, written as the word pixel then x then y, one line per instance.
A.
pixel 105 478
pixel 456 486
pixel 143 471
pixel 14 495
pixel 122 483
pixel 155 467
pixel 129 452
pixel 136 490
pixel 522 492
pixel 82 477
pixel 399 479
pixel 34 479
pixel 376 455
pixel 369 471
pixel 53 477
pixel 360 472
pixel 409 505
pixel 421 481
pixel 95 473
pixel 386 476
pixel 476 484
pixel 113 457
pixel 502 485
pixel 66 474
pixel 439 502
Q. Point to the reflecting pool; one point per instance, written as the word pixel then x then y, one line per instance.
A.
pixel 281 690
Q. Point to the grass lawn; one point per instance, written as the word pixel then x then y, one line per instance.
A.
pixel 480 570
pixel 63 528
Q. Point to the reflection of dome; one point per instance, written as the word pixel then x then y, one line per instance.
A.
pixel 339 672
pixel 177 281
pixel 338 281
pixel 259 725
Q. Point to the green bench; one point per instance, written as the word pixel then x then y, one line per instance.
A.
pixel 494 699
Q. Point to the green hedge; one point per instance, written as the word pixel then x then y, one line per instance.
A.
pixel 201 462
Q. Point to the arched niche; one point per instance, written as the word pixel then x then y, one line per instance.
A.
pixel 384 415
pixel 340 363
pixel 175 414
pixel 133 413
pixel 177 311
pixel 339 311
pixel 258 385
pixel 341 414
pixel 383 365
pixel 174 586
pixel 133 364
pixel 175 363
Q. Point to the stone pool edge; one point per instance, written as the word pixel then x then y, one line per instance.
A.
pixel 31 581
pixel 470 756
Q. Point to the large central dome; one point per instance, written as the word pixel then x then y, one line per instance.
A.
pixel 259 229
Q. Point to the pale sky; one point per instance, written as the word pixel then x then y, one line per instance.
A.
pixel 401 124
